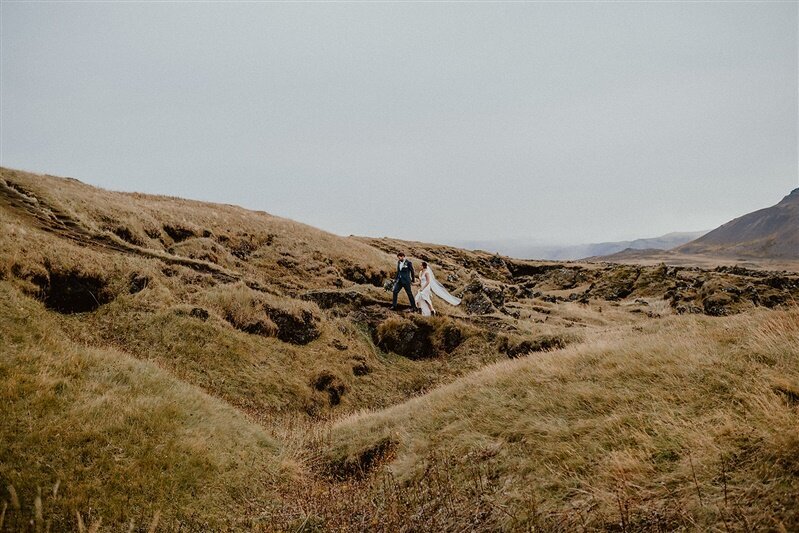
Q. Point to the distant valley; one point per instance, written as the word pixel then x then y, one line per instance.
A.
pixel 530 249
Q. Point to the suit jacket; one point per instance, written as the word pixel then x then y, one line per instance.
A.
pixel 405 273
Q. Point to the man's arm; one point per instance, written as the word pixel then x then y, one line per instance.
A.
pixel 413 274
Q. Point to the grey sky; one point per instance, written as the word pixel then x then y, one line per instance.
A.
pixel 571 122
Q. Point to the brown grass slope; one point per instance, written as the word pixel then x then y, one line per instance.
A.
pixel 240 320
pixel 230 322
pixel 689 425
pixel 772 232
pixel 123 439
pixel 165 354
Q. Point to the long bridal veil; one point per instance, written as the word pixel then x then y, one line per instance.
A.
pixel 440 291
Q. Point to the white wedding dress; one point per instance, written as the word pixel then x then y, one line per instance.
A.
pixel 430 285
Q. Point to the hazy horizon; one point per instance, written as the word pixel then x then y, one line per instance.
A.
pixel 559 123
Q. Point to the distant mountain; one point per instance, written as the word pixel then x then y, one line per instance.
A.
pixel 771 233
pixel 524 249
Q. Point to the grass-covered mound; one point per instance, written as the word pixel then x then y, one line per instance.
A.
pixel 123 439
pixel 691 423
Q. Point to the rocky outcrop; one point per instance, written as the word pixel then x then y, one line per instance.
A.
pixel 482 298
pixel 294 326
pixel 418 337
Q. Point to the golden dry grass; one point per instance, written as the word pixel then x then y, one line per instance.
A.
pixel 160 361
pixel 123 438
pixel 689 424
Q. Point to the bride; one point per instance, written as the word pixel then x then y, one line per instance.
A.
pixel 429 285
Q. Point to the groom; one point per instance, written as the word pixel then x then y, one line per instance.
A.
pixel 405 276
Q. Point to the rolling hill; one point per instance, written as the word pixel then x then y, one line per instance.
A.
pixel 772 232
pixel 167 364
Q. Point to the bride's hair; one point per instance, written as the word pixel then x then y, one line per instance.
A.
pixel 424 264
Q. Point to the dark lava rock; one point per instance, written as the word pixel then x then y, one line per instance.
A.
pixel 327 299
pixel 408 338
pixel 364 276
pixel 178 233
pixel 360 368
pixel 199 312
pixel 418 337
pixel 478 304
pixel 497 261
pixel 519 269
pixel 565 278
pixel 138 282
pixel 481 299
pixel 543 343
pixel 296 328
pixel 74 292
pixel 616 283
pixel 496 295
pixel 330 383
pixel 338 345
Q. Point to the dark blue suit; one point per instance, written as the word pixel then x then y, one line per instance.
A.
pixel 405 276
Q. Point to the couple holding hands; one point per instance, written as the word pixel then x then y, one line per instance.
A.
pixel 423 301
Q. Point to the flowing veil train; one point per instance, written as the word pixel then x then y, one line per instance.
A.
pixel 441 291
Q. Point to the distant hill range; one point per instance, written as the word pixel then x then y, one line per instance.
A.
pixel 526 249
pixel 771 233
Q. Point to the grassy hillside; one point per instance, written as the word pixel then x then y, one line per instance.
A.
pixel 686 424
pixel 222 369
pixel 122 439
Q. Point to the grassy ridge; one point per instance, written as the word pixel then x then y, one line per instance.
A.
pixel 688 424
pixel 124 438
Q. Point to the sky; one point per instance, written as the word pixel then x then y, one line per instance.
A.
pixel 554 122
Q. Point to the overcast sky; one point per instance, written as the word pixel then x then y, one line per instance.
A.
pixel 573 122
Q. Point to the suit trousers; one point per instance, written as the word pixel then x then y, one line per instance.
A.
pixel 398 286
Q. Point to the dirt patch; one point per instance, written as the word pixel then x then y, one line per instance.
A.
pixel 365 462
pixel 616 283
pixel 542 343
pixel 418 337
pixel 296 327
pixel 199 312
pixel 332 385
pixel 127 235
pixel 788 391
pixel 260 313
pixel 243 244
pixel 178 233
pixel 137 283
pixel 406 338
pixel 360 367
pixel 364 275
pixel 327 299
pixel 253 325
pixel 448 337
pixel 71 292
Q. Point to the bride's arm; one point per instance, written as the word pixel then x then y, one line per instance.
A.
pixel 424 278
